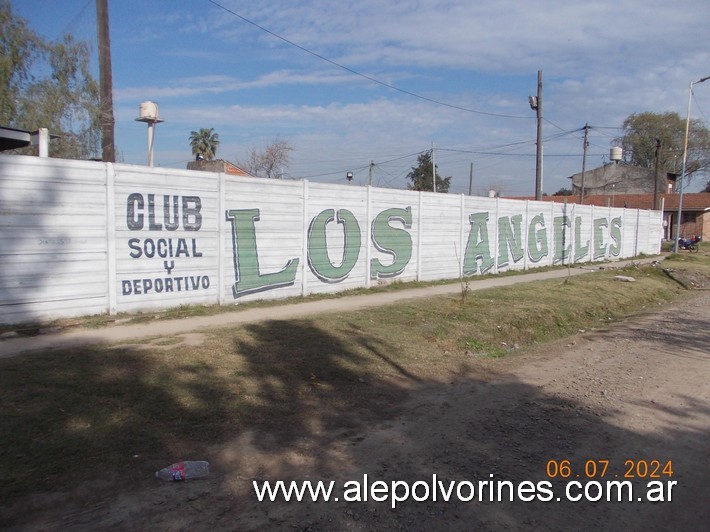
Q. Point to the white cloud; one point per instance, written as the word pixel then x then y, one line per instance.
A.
pixel 602 61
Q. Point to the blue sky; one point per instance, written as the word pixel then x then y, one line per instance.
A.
pixel 208 67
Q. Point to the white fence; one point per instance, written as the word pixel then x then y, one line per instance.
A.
pixel 82 238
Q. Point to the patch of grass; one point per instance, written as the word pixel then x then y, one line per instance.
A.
pixel 186 311
pixel 526 314
pixel 73 415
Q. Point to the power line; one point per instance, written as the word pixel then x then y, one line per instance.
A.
pixel 697 106
pixel 356 168
pixel 70 27
pixel 490 150
pixel 553 124
pixel 360 74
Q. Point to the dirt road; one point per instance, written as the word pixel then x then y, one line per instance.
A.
pixel 629 395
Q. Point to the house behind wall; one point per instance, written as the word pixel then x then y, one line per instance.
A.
pixel 619 179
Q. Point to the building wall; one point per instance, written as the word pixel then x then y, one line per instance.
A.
pixel 218 165
pixel 83 238
pixel 616 178
pixel 705 224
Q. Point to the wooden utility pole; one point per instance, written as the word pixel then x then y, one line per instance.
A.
pixel 656 184
pixel 584 162
pixel 538 154
pixel 433 168
pixel 108 150
pixel 470 180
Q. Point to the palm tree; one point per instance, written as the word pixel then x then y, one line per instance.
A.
pixel 204 143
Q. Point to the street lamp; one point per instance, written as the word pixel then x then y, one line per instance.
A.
pixel 685 159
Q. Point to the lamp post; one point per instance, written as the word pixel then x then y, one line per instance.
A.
pixel 685 159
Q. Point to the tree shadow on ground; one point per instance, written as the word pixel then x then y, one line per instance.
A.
pixel 288 400
pixel 100 413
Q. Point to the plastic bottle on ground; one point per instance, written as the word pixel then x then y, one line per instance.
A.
pixel 186 470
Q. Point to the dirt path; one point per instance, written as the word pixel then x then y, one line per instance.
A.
pixel 124 333
pixel 636 391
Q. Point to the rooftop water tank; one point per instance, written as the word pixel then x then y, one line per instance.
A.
pixel 615 154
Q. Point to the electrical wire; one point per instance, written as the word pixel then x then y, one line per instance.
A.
pixel 360 74
pixel 697 106
pixel 70 27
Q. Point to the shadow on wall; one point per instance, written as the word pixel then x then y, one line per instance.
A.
pixel 287 400
pixel 52 240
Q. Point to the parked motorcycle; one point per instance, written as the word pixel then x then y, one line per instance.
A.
pixel 691 244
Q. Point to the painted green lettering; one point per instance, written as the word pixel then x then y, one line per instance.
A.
pixel 248 278
pixel 537 239
pixel 478 247
pixel 318 259
pixel 599 245
pixel 615 235
pixel 563 246
pixel 580 251
pixel 393 241
pixel 510 239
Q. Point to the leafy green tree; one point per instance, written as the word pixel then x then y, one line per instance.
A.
pixel 421 176
pixel 204 143
pixel 48 84
pixel 640 132
pixel 563 192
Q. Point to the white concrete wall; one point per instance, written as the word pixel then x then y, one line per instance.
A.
pixel 53 239
pixel 80 238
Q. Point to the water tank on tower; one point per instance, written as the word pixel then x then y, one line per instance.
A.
pixel 148 111
pixel 615 154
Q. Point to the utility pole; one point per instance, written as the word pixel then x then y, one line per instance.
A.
pixel 584 162
pixel 656 184
pixel 433 168
pixel 538 151
pixel 108 150
pixel 470 180
pixel 681 183
pixel 372 171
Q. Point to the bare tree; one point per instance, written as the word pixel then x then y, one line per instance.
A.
pixel 269 160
